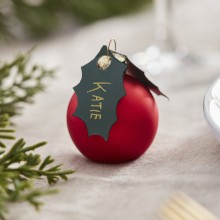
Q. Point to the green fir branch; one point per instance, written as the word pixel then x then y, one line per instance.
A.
pixel 19 83
pixel 20 165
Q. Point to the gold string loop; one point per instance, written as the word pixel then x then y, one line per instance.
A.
pixel 109 44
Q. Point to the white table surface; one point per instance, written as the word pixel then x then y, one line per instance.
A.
pixel 185 156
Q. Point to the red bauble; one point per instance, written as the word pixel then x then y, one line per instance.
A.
pixel 129 137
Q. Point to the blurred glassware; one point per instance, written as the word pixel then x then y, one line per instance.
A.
pixel 163 55
pixel 211 106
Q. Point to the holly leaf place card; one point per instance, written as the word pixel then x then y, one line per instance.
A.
pixel 99 91
pixel 101 88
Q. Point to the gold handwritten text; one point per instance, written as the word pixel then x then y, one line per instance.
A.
pixel 97 100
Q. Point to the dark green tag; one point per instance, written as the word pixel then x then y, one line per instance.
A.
pixel 98 93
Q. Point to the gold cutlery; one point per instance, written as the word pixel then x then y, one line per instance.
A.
pixel 182 207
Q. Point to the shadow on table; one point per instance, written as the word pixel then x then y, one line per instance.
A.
pixel 84 166
pixel 196 153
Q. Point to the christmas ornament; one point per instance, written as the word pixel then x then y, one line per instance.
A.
pixel 112 117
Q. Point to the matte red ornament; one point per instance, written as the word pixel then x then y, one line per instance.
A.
pixel 129 137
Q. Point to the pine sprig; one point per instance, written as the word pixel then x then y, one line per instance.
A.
pixel 20 165
pixel 5 133
pixel 4 119
pixel 18 153
pixel 19 83
pixel 15 190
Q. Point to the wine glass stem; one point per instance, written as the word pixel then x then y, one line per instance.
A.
pixel 163 32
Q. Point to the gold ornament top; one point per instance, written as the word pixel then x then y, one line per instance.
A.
pixel 104 62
